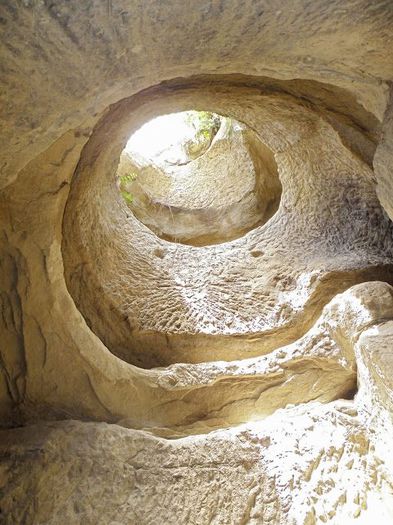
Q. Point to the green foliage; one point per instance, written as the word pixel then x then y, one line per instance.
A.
pixel 205 123
pixel 130 177
pixel 127 196
pixel 124 181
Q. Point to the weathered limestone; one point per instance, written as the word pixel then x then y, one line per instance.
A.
pixel 101 52
pixel 245 381
pixel 383 161
pixel 232 300
pixel 307 464
pixel 220 195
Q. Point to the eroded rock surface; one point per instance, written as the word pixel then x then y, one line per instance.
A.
pixel 245 379
pixel 383 160
pixel 218 196
pixel 161 302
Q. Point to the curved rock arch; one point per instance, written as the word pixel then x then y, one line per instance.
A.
pixel 268 408
pixel 194 314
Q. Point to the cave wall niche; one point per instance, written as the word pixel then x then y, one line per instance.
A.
pixel 225 377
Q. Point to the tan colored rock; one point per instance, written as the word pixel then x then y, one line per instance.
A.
pixel 95 55
pixel 308 464
pixel 383 161
pixel 145 381
pixel 237 299
pixel 219 196
pixel 312 463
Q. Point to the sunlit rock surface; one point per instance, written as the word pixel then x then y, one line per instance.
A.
pixel 154 302
pixel 246 379
pixel 218 196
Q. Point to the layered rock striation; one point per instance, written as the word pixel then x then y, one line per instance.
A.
pixel 229 367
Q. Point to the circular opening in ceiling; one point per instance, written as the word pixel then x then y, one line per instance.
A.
pixel 198 178
pixel 153 302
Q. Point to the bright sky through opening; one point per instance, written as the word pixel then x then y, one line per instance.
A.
pixel 164 134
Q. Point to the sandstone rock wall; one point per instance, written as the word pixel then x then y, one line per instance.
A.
pixel 144 381
pixel 228 190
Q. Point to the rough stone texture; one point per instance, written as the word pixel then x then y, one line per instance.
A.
pixel 306 464
pixel 250 295
pixel 383 161
pixel 262 341
pixel 311 463
pixel 226 191
pixel 65 61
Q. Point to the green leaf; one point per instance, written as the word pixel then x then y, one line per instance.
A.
pixel 127 196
